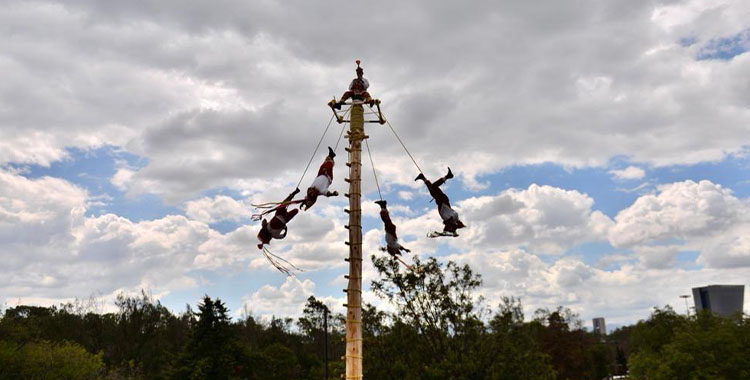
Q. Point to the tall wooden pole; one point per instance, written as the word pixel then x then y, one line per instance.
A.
pixel 353 305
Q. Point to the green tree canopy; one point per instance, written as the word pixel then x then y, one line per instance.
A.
pixel 48 361
pixel 705 346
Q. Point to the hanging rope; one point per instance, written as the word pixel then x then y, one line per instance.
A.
pixel 402 143
pixel 314 152
pixel 374 174
pixel 273 206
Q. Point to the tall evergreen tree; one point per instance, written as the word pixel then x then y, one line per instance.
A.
pixel 213 351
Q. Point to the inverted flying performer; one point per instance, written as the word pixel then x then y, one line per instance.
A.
pixel 276 228
pixel 392 246
pixel 451 222
pixel 321 183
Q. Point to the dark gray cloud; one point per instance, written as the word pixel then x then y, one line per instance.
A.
pixel 511 82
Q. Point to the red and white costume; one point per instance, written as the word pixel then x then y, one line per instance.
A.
pixel 325 177
pixel 391 238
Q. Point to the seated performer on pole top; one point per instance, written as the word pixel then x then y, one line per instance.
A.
pixel 276 228
pixel 321 183
pixel 357 89
pixel 450 217
pixel 391 239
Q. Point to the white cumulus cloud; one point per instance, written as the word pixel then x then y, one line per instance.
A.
pixel 219 208
pixel 631 172
pixel 545 219
pixel 285 300
pixel 678 211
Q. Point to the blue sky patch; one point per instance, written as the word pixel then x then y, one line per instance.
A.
pixel 92 170
pixel 726 48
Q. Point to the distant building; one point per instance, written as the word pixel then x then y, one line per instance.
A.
pixel 724 300
pixel 599 326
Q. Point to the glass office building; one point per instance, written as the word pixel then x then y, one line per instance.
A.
pixel 724 300
pixel 599 326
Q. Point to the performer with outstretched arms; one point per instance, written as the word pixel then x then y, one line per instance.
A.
pixel 276 228
pixel 391 239
pixel 321 183
pixel 450 217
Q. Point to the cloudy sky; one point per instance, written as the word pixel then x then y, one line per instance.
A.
pixel 602 149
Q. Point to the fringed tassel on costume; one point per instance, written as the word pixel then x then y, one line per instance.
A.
pixel 409 267
pixel 259 216
pixel 280 264
pixel 271 207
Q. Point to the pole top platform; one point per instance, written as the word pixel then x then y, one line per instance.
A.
pixel 359 96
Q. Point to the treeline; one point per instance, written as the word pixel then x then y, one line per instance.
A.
pixel 439 330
